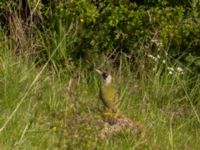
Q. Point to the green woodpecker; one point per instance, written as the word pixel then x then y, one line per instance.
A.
pixel 109 95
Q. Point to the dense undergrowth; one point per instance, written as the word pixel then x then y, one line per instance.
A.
pixel 39 112
pixel 49 90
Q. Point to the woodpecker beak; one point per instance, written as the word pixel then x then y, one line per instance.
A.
pixel 99 72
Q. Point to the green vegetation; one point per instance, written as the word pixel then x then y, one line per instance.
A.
pixel 49 51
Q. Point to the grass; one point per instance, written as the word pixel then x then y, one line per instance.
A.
pixel 47 102
pixel 41 113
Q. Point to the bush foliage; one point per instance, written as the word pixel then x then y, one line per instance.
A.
pixel 86 28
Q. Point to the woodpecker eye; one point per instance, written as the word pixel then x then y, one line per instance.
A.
pixel 105 75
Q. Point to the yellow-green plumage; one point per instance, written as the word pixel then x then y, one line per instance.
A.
pixel 110 97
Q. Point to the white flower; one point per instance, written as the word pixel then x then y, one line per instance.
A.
pixel 154 40
pixel 170 72
pixel 158 56
pixel 152 57
pixel 170 69
pixel 179 69
pixel 164 61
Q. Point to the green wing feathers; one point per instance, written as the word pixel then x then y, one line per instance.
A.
pixel 110 97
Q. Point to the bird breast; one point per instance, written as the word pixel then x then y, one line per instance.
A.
pixel 109 96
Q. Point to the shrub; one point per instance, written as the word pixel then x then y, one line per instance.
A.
pixel 82 29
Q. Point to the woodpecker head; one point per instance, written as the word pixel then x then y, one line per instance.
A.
pixel 107 78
